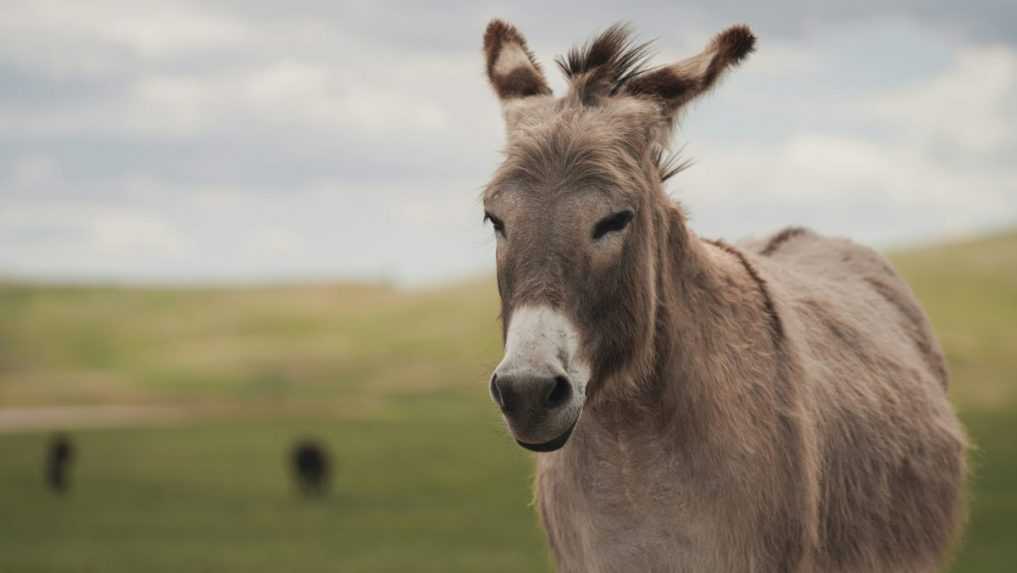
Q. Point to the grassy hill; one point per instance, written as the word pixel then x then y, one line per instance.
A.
pixel 394 382
pixel 299 344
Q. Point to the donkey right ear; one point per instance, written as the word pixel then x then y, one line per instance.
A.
pixel 676 85
pixel 511 67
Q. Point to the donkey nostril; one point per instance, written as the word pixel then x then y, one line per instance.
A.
pixel 560 392
pixel 495 391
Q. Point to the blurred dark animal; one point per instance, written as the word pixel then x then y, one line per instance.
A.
pixel 311 466
pixel 777 405
pixel 59 456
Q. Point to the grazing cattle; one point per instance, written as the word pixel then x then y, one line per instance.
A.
pixel 312 468
pixel 59 456
pixel 778 405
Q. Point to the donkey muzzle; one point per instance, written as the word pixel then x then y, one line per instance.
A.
pixel 540 384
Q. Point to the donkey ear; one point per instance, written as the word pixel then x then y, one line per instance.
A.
pixel 511 67
pixel 677 84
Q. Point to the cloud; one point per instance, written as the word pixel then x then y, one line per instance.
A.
pixel 34 173
pixel 874 192
pixel 932 161
pixel 280 94
pixel 179 140
pixel 157 29
pixel 163 232
pixel 973 105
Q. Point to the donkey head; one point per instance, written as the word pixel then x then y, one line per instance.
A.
pixel 577 207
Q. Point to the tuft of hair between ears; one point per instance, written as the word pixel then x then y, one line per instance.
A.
pixel 604 65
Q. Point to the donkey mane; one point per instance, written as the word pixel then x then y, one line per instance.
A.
pixel 776 324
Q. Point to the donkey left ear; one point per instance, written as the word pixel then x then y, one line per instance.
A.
pixel 677 84
pixel 511 67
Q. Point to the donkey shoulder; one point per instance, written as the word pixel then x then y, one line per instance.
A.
pixel 892 448
pixel 833 279
pixel 824 256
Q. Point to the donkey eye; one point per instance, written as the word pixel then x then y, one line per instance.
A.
pixel 612 223
pixel 499 227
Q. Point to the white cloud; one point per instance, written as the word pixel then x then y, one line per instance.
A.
pixel 972 105
pixel 823 167
pixel 34 173
pixel 167 232
pixel 151 29
pixel 89 236
pixel 184 140
pixel 889 161
pixel 290 93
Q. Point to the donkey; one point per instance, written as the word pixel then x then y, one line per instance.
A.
pixel 57 467
pixel 777 405
pixel 311 467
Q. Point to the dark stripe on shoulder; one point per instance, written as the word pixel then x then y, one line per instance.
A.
pixel 781 238
pixel 776 325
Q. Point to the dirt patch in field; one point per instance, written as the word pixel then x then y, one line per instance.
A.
pixel 72 417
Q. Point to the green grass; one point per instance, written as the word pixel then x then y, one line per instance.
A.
pixel 414 492
pixel 93 345
pixel 394 382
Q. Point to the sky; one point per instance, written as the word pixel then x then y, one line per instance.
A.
pixel 254 140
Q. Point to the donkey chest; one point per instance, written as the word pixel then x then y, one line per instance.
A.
pixel 622 515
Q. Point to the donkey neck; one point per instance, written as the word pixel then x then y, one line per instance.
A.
pixel 711 303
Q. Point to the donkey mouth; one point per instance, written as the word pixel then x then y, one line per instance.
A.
pixel 551 445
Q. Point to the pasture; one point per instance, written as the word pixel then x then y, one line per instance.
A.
pixel 394 382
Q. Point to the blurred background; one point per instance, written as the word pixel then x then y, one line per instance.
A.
pixel 228 228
